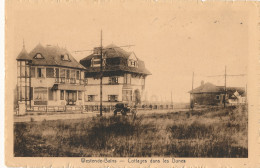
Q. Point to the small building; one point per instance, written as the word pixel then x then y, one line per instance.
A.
pixel 210 94
pixel 49 79
pixel 123 77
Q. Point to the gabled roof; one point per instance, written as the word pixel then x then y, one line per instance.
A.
pixel 112 51
pixel 23 55
pixel 52 57
pixel 211 88
pixel 205 88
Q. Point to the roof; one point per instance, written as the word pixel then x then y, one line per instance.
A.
pixel 112 51
pixel 52 57
pixel 23 55
pixel 211 88
pixel 205 88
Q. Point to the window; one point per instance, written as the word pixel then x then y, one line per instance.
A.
pixel 127 95
pixel 40 72
pixel 65 57
pixel 79 95
pixel 91 97
pixel 217 97
pixel 49 72
pixel 22 71
pixel 33 72
pixel 62 95
pixel 112 98
pixel 127 78
pixel 50 93
pixel 72 75
pixel 77 75
pixel 113 80
pixel 132 63
pixel 27 71
pixel 23 93
pixel 38 56
pixel 95 61
pixel 67 74
pixel 62 73
pixel 40 94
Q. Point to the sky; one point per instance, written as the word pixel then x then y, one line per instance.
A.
pixel 174 40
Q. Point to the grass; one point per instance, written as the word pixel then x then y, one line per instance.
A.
pixel 213 132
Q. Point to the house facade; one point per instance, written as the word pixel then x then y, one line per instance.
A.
pixel 210 94
pixel 49 79
pixel 123 77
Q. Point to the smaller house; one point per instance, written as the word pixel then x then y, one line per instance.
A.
pixel 210 94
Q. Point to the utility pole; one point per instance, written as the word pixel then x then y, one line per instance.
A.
pixel 191 95
pixel 171 100
pixel 101 74
pixel 225 89
pixel 101 67
pixel 246 94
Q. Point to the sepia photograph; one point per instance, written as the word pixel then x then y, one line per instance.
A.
pixel 136 80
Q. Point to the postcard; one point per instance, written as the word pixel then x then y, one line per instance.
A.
pixel 151 83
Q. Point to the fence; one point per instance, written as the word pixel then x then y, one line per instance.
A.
pixel 54 109
pixel 90 108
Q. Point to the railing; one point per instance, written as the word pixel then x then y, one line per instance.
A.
pixel 89 108
pixel 55 109
pixel 71 80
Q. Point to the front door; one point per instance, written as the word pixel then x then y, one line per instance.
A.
pixel 71 97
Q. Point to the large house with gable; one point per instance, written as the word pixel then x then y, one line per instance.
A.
pixel 49 79
pixel 210 94
pixel 123 79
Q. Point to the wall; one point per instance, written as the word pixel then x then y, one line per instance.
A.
pixel 48 83
pixel 206 98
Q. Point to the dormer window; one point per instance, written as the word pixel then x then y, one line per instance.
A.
pixel 132 63
pixel 65 57
pixel 38 56
pixel 96 60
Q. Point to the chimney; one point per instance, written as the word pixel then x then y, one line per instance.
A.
pixel 97 50
pixel 202 82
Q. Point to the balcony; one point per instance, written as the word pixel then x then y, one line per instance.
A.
pixel 71 81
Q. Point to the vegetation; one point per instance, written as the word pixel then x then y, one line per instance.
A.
pixel 213 132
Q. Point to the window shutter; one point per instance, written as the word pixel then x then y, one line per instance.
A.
pixel 31 93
